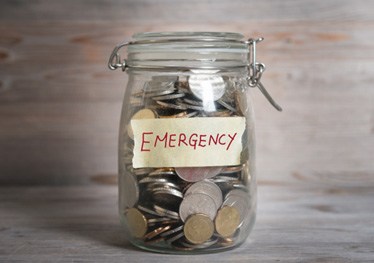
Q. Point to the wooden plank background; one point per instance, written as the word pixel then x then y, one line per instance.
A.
pixel 60 105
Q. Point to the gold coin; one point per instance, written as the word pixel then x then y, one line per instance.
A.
pixel 198 228
pixel 140 115
pixel 227 221
pixel 137 222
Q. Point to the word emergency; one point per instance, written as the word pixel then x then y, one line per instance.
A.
pixel 150 140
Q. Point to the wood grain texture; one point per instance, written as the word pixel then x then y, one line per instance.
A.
pixel 60 105
pixel 316 224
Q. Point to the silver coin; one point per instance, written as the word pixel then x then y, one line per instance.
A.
pixel 169 97
pixel 209 188
pixel 170 105
pixel 161 221
pixel 194 174
pixel 166 184
pixel 165 212
pixel 191 107
pixel 240 200
pixel 167 191
pixel 147 210
pixel 155 88
pixel 197 203
pixel 239 186
pixel 175 238
pixel 129 192
pixel 226 105
pixel 147 180
pixel 193 102
pixel 207 87
pixel 172 231
pixel 163 172
pixel 206 244
pixel 223 179
pixel 232 169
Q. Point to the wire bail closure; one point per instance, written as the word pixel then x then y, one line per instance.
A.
pixel 255 72
pixel 115 58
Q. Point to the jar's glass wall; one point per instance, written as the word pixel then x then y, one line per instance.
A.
pixel 187 209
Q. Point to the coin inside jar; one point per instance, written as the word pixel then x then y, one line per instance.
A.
pixel 207 87
pixel 197 203
pixel 238 199
pixel 129 197
pixel 139 115
pixel 209 188
pixel 137 222
pixel 198 228
pixel 227 221
pixel 194 174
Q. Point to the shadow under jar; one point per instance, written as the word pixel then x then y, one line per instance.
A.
pixel 186 145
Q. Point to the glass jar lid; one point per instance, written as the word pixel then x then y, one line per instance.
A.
pixel 187 50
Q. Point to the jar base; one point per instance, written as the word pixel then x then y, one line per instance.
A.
pixel 184 250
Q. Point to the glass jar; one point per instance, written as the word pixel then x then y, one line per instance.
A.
pixel 186 146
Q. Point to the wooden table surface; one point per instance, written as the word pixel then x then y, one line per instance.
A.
pixel 295 223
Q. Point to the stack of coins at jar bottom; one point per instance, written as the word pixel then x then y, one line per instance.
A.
pixel 185 208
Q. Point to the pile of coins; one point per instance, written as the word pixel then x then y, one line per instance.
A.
pixel 185 208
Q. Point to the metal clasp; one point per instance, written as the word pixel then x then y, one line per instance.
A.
pixel 115 58
pixel 255 72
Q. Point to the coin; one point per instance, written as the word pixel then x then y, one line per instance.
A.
pixel 171 105
pixel 189 106
pixel 209 188
pixel 226 105
pixel 175 237
pixel 172 231
pixel 166 212
pixel 206 244
pixel 194 174
pixel 240 200
pixel 207 87
pixel 169 97
pixel 166 184
pixel 198 228
pixel 193 102
pixel 163 172
pixel 232 169
pixel 137 222
pixel 157 232
pixel 139 115
pixel 130 193
pixel 148 211
pixel 197 203
pixel 227 221
pixel 167 191
pixel 147 180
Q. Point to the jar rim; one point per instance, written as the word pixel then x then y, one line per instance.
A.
pixel 188 34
